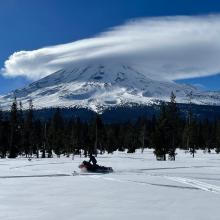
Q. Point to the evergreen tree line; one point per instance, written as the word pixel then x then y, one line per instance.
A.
pixel 23 135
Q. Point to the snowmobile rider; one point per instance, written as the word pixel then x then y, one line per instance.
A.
pixel 92 159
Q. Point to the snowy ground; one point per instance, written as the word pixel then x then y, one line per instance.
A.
pixel 140 187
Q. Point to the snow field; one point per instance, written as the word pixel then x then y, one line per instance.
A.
pixel 140 187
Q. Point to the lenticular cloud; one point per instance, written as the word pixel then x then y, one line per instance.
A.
pixel 166 47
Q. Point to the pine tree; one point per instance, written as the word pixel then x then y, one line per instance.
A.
pixel 110 139
pixel 5 138
pixel 29 130
pixel 56 134
pixel 45 140
pixel 21 134
pixel 217 149
pixel 14 130
pixel 86 139
pixel 141 127
pixel 173 123
pixel 160 137
pixel 130 136
pixel 37 137
pixel 1 134
pixel 96 131
pixel 190 130
pixel 99 135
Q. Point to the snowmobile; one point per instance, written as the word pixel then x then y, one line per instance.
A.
pixel 85 166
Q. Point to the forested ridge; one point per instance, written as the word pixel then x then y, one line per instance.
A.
pixel 23 135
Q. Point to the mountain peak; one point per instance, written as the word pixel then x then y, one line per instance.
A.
pixel 100 86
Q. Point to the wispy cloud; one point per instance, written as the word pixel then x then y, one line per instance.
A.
pixel 166 47
pixel 200 86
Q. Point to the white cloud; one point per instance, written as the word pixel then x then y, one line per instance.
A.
pixel 166 47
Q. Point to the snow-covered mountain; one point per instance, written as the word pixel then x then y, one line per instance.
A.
pixel 98 87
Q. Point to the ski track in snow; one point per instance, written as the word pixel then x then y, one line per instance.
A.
pixel 193 183
pixel 197 184
pixel 32 165
pixel 32 176
pixel 166 168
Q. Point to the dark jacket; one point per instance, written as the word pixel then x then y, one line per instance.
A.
pixel 92 159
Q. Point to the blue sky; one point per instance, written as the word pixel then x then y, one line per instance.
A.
pixel 32 24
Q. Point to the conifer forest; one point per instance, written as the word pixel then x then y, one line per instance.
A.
pixel 23 135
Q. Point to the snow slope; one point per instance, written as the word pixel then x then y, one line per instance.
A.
pixel 98 87
pixel 140 188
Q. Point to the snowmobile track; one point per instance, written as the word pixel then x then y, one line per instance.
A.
pixel 195 183
pixel 34 176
